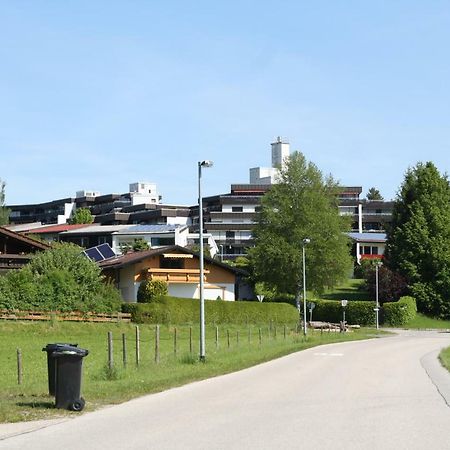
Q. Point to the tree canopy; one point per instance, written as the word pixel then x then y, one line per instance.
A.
pixel 82 215
pixel 302 205
pixel 418 245
pixel 374 194
pixel 4 212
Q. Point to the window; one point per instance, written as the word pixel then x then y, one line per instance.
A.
pixel 237 209
pixel 102 240
pixel 171 263
pixel 163 241
pixel 229 235
pixel 374 250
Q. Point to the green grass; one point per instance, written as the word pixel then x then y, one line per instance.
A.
pixel 423 322
pixel 30 400
pixel 444 357
pixel 351 289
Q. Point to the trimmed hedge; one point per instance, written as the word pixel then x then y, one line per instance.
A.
pixel 356 312
pixel 184 310
pixel 401 312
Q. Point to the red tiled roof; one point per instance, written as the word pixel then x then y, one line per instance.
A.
pixel 57 228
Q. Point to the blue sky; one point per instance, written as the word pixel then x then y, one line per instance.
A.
pixel 99 94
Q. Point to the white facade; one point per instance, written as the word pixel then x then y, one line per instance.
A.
pixel 127 236
pixel 211 291
pixel 69 209
pixel 144 192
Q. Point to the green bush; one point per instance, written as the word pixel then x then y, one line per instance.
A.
pixel 182 310
pixel 59 279
pixel 151 291
pixel 401 312
pixel 356 312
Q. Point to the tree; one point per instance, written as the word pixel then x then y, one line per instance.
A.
pixel 82 215
pixel 391 285
pixel 4 212
pixel 302 205
pixel 418 244
pixel 374 194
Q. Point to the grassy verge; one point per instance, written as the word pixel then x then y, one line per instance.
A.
pixel 423 322
pixel 30 400
pixel 444 357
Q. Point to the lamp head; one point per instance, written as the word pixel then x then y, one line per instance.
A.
pixel 205 163
pixel 306 241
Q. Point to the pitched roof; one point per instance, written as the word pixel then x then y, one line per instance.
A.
pixel 135 257
pixel 33 243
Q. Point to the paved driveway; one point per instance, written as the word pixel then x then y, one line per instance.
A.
pixel 387 393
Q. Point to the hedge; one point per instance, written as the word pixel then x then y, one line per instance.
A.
pixel 356 312
pixel 183 310
pixel 401 312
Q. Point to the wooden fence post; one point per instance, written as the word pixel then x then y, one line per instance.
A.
pixel 284 331
pixel 190 339
pixel 19 366
pixel 217 337
pixel 228 338
pixel 138 346
pixel 124 349
pixel 260 336
pixel 110 351
pixel 157 344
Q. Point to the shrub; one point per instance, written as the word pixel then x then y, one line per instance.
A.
pixel 151 291
pixel 356 312
pixel 182 310
pixel 401 312
pixel 59 279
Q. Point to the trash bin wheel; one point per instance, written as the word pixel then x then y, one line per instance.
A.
pixel 78 405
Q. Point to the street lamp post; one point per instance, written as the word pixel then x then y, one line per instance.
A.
pixel 377 304
pixel 305 242
pixel 201 164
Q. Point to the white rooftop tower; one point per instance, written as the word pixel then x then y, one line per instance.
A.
pixel 269 175
pixel 280 152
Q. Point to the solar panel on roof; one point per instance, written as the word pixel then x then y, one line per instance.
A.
pixel 100 253
pixel 94 254
pixel 106 251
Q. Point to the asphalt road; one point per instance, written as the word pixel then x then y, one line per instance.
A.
pixel 387 393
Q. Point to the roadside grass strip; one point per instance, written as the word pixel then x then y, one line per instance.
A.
pixel 153 368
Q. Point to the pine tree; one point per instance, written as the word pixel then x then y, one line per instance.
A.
pixel 418 245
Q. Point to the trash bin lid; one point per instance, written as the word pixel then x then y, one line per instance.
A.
pixel 68 350
pixel 49 348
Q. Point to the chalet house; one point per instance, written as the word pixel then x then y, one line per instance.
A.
pixel 179 268
pixel 16 249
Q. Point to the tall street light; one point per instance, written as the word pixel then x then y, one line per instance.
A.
pixel 377 304
pixel 201 164
pixel 304 243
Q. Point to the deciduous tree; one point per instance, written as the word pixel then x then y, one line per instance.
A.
pixel 82 215
pixel 302 205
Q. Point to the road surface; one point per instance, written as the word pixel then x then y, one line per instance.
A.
pixel 387 393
